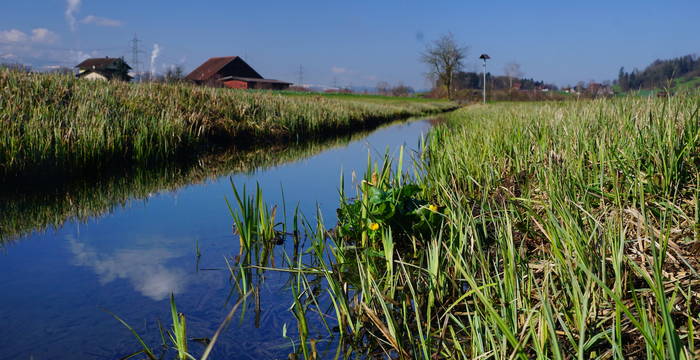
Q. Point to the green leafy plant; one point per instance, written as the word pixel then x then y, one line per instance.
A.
pixel 398 208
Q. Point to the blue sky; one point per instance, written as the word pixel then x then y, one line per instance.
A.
pixel 355 43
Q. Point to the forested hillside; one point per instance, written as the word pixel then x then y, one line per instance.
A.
pixel 662 73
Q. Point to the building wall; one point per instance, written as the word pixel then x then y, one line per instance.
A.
pixel 95 76
pixel 239 84
pixel 238 68
pixel 267 86
pixel 236 84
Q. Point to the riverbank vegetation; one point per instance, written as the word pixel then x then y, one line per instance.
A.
pixel 560 230
pixel 548 230
pixel 37 206
pixel 55 123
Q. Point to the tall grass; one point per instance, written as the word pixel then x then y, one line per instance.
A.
pixel 529 231
pixel 57 123
pixel 43 203
pixel 534 231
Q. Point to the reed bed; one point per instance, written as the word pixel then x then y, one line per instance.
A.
pixel 547 231
pixel 38 206
pixel 559 230
pixel 54 123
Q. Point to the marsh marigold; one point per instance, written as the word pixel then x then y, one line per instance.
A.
pixel 373 226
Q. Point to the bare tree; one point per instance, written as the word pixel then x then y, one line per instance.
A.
pixel 512 70
pixel 401 90
pixel 174 73
pixel 444 58
pixel 383 87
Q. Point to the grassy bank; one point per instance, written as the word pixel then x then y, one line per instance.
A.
pixel 533 231
pixel 57 123
pixel 36 207
pixel 559 230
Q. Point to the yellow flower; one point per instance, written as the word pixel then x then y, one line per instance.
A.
pixel 373 226
pixel 432 207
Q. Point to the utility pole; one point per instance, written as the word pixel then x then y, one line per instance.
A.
pixel 484 57
pixel 135 57
pixel 301 75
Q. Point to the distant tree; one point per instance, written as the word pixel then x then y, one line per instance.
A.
pixel 632 80
pixel 622 79
pixel 401 90
pixel 551 87
pixel 660 73
pixel 512 70
pixel 468 80
pixel 444 58
pixel 174 73
pixel 383 87
pixel 16 67
pixel 63 70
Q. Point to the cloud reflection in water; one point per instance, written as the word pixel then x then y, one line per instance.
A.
pixel 144 268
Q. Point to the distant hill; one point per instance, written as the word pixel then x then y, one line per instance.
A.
pixel 680 72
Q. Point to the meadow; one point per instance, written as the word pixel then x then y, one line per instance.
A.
pixel 56 123
pixel 540 230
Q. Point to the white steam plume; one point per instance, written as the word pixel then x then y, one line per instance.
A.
pixel 154 56
pixel 71 9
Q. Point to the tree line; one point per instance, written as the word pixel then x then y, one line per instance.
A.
pixel 474 80
pixel 445 60
pixel 660 73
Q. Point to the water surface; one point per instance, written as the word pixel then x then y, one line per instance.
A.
pixel 124 244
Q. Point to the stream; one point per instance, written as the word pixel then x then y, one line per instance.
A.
pixel 71 256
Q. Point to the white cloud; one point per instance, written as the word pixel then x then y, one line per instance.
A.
pixel 338 70
pixel 13 36
pixel 39 35
pixel 79 56
pixel 101 21
pixel 44 36
pixel 8 56
pixel 72 6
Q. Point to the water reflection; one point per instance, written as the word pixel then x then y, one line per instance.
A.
pixel 35 205
pixel 125 241
pixel 145 269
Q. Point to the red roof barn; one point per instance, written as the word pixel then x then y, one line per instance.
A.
pixel 233 72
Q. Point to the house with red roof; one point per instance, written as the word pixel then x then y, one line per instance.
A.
pixel 232 72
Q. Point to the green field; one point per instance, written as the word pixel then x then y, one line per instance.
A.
pixel 58 123
pixel 682 85
pixel 686 84
pixel 366 97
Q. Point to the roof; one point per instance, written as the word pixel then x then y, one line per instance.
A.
pixel 270 81
pixel 212 66
pixel 99 63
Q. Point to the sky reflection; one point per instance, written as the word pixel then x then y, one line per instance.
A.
pixel 145 269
